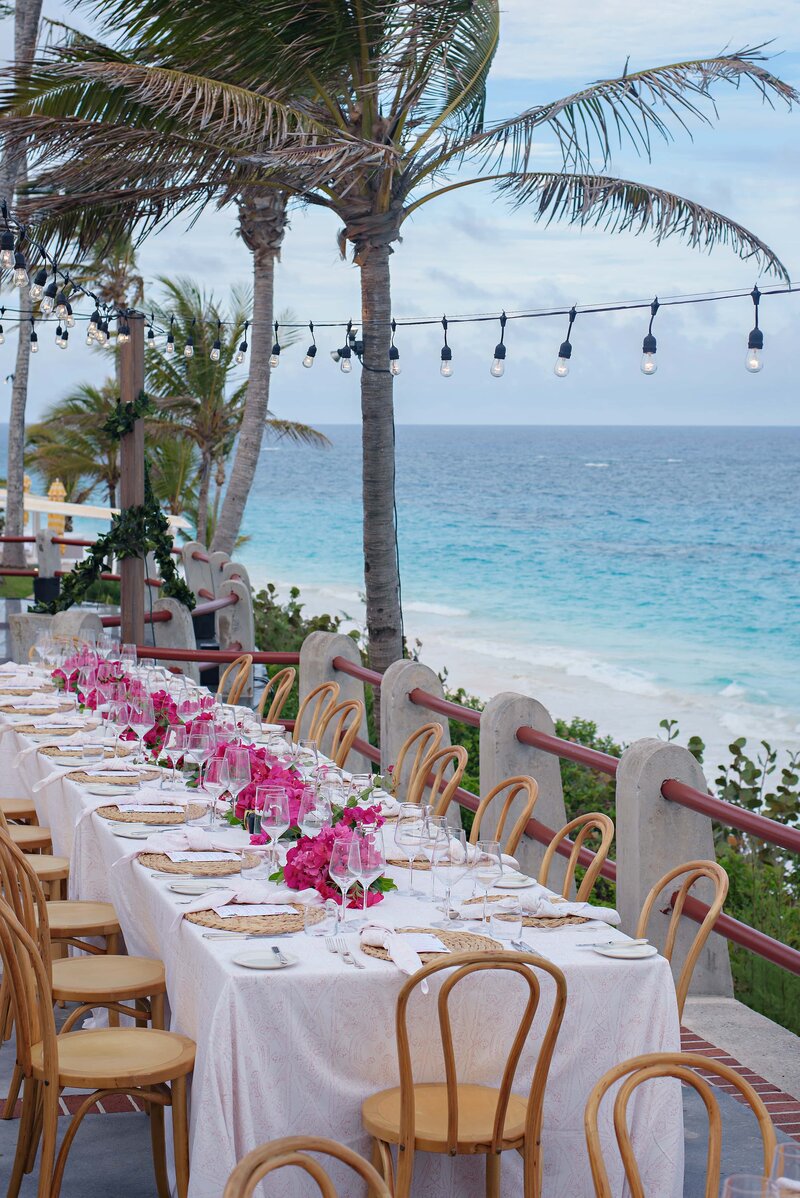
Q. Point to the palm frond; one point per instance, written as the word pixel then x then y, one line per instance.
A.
pixel 297 433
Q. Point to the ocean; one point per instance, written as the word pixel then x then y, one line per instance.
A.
pixel 620 574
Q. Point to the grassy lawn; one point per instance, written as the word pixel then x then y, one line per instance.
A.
pixel 15 588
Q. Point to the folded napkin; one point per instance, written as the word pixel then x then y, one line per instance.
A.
pixel 786 1185
pixel 76 719
pixel 181 840
pixel 389 804
pixel 457 854
pixel 115 765
pixel 539 902
pixel 258 893
pixel 151 792
pixel 399 947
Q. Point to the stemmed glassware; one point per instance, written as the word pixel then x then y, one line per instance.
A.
pixel 339 871
pixel 434 832
pixel 487 868
pixel 215 783
pixel 173 748
pixel 749 1185
pixel 307 753
pixel 407 837
pixel 314 813
pixel 129 657
pixel 235 772
pixel 197 749
pixel 450 863
pixel 141 720
pixel 366 862
pixel 272 805
pixel 358 784
pixel 785 1172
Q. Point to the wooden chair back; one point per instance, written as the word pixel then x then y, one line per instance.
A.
pixel 521 784
pixel 343 720
pixel 424 741
pixel 238 672
pixel 527 967
pixel 294 1150
pixel 433 774
pixel 692 872
pixel 585 826
pixel 277 690
pixel 315 706
pixel 24 893
pixel 30 990
pixel 680 1065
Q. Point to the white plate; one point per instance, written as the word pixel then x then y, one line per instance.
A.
pixel 107 789
pixel 129 833
pixel 515 881
pixel 626 952
pixel 265 959
pixel 195 887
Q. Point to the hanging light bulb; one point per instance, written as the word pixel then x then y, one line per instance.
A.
pixel 61 306
pixel 446 368
pixel 20 270
pixel 188 349
pixel 123 333
pixel 345 359
pixel 151 336
pixel 58 335
pixel 242 350
pixel 62 338
pixel 649 346
pixel 561 368
pixel 38 284
pixel 34 340
pixel 65 339
pixel 216 348
pixel 755 342
pixel 170 346
pixel 49 299
pixel 6 249
pixel 394 354
pixel 101 336
pixel 335 355
pixel 498 366
pixel 92 327
pixel 275 356
pixel 70 319
pixel 311 352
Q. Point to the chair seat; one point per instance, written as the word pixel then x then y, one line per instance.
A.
pixel 81 979
pixel 476 1112
pixel 49 868
pixel 112 1057
pixel 76 917
pixel 29 837
pixel 18 809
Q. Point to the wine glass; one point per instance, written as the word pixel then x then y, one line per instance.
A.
pixel 786 1169
pixel 450 864
pixel 434 832
pixel 366 862
pixel 174 747
pixel 407 835
pixel 307 756
pixel 314 813
pixel 359 783
pixel 235 772
pixel 487 868
pixel 197 749
pixel 272 805
pixel 129 657
pixel 141 719
pixel 339 871
pixel 749 1185
pixel 215 783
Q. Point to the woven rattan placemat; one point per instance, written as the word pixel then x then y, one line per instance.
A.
pixel 258 923
pixel 209 869
pixel 124 778
pixel 457 942
pixel 9 709
pixel 402 862
pixel 533 921
pixel 77 751
pixel 194 811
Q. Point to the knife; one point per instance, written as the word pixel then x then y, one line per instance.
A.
pixel 243 935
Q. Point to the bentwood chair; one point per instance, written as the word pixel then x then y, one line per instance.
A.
pixel 592 824
pixel 235 677
pixel 294 1150
pixel 691 872
pixel 135 1061
pixel 277 690
pixel 100 980
pixel 343 722
pixel 52 872
pixel 22 811
pixel 424 741
pixel 458 1118
pixel 521 785
pixel 313 710
pixel 680 1065
pixel 440 773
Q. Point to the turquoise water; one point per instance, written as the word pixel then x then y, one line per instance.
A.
pixel 669 554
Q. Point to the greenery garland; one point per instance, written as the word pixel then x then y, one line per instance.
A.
pixel 135 532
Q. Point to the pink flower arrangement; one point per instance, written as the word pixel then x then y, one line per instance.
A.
pixel 307 861
pixel 265 769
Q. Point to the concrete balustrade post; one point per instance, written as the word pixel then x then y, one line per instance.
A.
pixel 235 626
pixel 317 654
pixel 197 573
pixel 655 835
pixel 400 717
pixel 176 633
pixel 24 627
pixel 217 563
pixel 48 555
pixel 237 572
pixel 502 756
pixel 77 624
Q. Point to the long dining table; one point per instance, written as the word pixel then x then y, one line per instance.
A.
pixel 295 1051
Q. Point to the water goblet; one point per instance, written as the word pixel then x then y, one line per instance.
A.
pixel 407 836
pixel 339 871
pixel 366 862
pixel 487 868
pixel 450 863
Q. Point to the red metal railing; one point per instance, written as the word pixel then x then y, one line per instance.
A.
pixel 741 933
pixel 222 656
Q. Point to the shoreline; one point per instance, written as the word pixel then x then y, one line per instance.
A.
pixel 625 704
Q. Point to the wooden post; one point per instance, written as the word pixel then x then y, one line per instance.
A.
pixel 131 482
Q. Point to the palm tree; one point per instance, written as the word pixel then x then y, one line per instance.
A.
pixel 69 443
pixel 390 97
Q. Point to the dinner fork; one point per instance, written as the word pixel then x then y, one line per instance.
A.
pixel 345 954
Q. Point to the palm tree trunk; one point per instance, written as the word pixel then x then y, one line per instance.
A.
pixel 262 222
pixel 12 173
pixel 202 499
pixel 381 565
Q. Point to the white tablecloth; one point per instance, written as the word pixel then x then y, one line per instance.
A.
pixel 296 1051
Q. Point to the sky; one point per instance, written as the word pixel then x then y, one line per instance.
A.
pixel 469 252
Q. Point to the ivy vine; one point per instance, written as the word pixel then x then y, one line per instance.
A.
pixel 135 532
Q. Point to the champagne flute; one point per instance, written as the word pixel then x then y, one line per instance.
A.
pixel 272 805
pixel 339 871
pixel 487 868
pixel 786 1169
pixel 408 832
pixel 366 862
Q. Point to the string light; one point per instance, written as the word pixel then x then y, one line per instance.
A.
pixel 498 366
pixel 101 336
pixel 6 249
pixel 188 349
pixel 446 368
pixel 69 320
pixel 311 352
pixel 49 297
pixel 649 346
pixel 242 350
pixel 394 353
pixel 61 306
pixel 123 332
pixel 20 269
pixel 62 338
pixel 171 337
pixel 275 356
pixel 755 342
pixel 151 333
pixel 216 348
pixel 38 285
pixel 344 354
pixel 561 368
pixel 92 327
pixel 34 339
